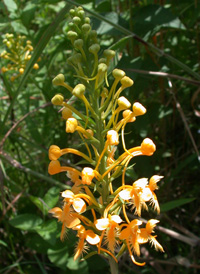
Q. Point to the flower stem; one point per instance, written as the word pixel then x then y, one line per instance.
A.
pixel 113 266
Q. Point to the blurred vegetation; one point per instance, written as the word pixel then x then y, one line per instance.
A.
pixel 159 45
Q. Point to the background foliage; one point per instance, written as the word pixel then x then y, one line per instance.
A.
pixel 159 48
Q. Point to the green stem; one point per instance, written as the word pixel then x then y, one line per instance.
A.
pixel 113 266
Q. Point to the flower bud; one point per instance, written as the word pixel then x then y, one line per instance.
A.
pixel 76 20
pixel 109 54
pixel 79 90
pixel 57 100
pixel 113 137
pixel 94 48
pixel 21 70
pixel 126 82
pixel 86 28
pixel 93 35
pixel 36 66
pixel 102 68
pixel 87 175
pixel 138 109
pixel 78 43
pixel 72 12
pixel 87 20
pixel 102 60
pixel 58 80
pixel 123 103
pixel 90 132
pixel 54 152
pixel 118 74
pixel 148 147
pixel 54 167
pixel 66 113
pixel 127 113
pixel 81 14
pixel 72 35
pixel 71 125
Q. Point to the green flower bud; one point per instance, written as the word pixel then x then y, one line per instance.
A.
pixel 8 44
pixel 81 14
pixel 57 100
pixel 94 48
pixel 71 25
pixel 87 20
pixel 72 12
pixel 72 35
pixel 118 74
pixel 78 43
pixel 102 60
pixel 76 20
pixel 58 80
pixel 77 58
pixel 109 54
pixel 102 68
pixel 93 35
pixel 86 28
pixel 126 82
pixel 79 90
pixel 5 41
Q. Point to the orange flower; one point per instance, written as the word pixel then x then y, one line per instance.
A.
pixel 66 217
pixel 87 175
pixel 110 225
pixel 145 235
pixel 138 194
pixel 131 235
pixel 77 203
pixel 83 235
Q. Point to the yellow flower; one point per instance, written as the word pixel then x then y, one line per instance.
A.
pixel 138 109
pixel 111 226
pixel 83 235
pixel 77 203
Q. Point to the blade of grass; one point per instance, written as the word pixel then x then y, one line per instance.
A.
pixel 156 50
pixel 37 52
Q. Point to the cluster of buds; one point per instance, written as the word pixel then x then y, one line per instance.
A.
pixel 95 207
pixel 17 54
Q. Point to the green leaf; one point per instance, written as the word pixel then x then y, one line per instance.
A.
pixel 11 5
pixel 26 221
pixel 52 196
pixel 40 204
pixel 59 255
pixel 77 266
pixel 176 203
pixel 28 14
pixel 48 231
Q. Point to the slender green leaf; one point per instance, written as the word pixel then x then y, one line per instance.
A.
pixel 174 204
